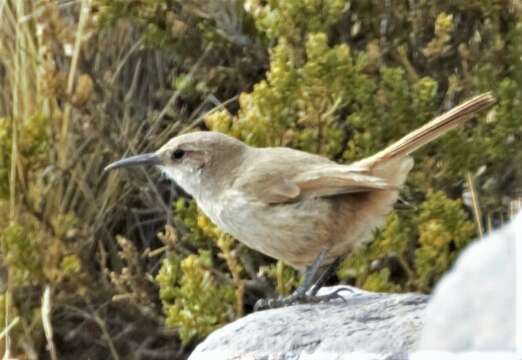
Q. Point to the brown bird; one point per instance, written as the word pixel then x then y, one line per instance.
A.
pixel 301 208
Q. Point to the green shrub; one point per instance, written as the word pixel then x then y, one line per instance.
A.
pixel 193 301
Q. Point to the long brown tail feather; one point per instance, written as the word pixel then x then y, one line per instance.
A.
pixel 432 130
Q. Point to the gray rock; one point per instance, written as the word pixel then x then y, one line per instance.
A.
pixel 473 307
pixel 366 322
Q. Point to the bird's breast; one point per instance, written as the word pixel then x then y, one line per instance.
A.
pixel 293 232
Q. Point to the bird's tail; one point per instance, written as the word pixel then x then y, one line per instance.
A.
pixel 431 131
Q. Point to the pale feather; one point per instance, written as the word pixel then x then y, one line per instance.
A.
pixel 290 175
pixel 430 131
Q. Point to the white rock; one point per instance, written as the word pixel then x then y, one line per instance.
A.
pixel 367 325
pixel 474 306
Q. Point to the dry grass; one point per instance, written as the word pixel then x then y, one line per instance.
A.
pixel 476 206
pixel 100 106
pixel 21 96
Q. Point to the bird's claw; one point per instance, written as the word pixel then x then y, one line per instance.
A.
pixel 299 298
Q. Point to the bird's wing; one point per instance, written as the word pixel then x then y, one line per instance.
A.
pixel 329 180
pixel 270 189
pixel 288 184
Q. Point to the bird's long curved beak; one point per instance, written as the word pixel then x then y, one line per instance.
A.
pixel 142 159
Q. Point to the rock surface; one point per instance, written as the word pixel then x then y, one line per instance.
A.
pixel 366 322
pixel 474 306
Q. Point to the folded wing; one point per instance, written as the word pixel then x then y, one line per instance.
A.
pixel 319 181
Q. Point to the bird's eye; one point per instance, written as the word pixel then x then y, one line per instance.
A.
pixel 178 154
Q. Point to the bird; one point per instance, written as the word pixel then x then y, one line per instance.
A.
pixel 294 206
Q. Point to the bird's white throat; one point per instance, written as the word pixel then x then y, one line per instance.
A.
pixel 187 178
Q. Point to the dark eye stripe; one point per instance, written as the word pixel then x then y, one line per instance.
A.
pixel 178 154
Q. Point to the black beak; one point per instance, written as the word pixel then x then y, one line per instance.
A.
pixel 143 159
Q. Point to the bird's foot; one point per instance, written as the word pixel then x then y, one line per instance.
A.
pixel 299 298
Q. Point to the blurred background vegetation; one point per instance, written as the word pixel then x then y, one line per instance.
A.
pixel 124 266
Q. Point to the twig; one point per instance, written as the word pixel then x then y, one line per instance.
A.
pixel 176 94
pixel 106 335
pixel 46 321
pixel 85 10
pixel 8 328
pixel 515 206
pixel 126 58
pixel 476 207
pixel 200 118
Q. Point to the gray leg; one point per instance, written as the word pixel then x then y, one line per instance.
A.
pixel 325 275
pixel 310 274
pixel 309 283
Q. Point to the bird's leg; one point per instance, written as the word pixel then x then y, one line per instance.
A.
pixel 325 275
pixel 310 275
pixel 309 283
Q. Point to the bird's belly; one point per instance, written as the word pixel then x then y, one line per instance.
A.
pixel 294 233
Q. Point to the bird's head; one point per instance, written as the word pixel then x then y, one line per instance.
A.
pixel 193 160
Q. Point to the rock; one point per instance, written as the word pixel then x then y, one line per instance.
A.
pixel 474 306
pixel 366 322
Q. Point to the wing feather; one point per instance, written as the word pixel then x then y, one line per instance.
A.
pixel 321 180
pixel 330 180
